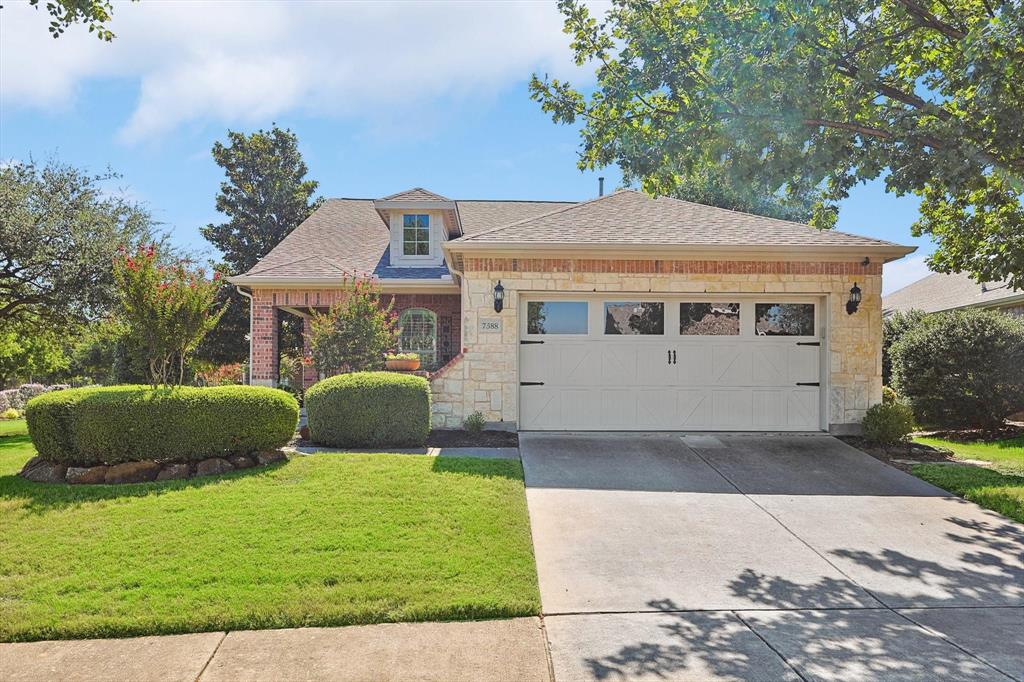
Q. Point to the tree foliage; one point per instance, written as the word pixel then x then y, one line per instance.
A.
pixel 29 352
pixel 355 333
pixel 95 14
pixel 803 100
pixel 265 196
pixel 59 232
pixel 168 311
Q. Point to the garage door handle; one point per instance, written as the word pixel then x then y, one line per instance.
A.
pixel 531 383
pixel 808 383
pixel 524 342
pixel 808 343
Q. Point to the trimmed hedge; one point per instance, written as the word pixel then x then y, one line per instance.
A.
pixel 962 368
pixel 888 423
pixel 110 425
pixel 369 409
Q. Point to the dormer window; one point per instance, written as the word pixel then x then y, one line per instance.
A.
pixel 416 234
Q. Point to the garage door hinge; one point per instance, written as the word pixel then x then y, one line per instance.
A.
pixel 531 383
pixel 808 383
pixel 808 343
pixel 524 342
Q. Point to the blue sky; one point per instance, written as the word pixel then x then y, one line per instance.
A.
pixel 382 97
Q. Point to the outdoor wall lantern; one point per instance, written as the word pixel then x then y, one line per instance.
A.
pixel 854 302
pixel 499 297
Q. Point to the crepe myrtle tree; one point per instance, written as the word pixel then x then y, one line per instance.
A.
pixel 168 310
pixel 356 332
pixel 798 100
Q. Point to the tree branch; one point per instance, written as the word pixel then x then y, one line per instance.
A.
pixel 926 18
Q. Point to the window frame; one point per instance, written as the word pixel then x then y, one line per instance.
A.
pixel 416 229
pixel 526 318
pixel 665 305
pixel 785 301
pixel 401 325
pixel 740 307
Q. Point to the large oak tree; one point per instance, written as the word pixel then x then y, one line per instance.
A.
pixel 798 99
pixel 59 233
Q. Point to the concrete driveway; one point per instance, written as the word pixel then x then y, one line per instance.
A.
pixel 665 557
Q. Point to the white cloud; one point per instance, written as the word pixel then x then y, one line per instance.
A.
pixel 900 273
pixel 244 61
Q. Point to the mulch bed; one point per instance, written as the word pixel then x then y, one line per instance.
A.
pixel 451 438
pixel 903 457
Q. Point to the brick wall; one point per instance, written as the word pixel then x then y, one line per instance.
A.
pixel 267 304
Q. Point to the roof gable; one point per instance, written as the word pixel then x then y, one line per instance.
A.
pixel 414 194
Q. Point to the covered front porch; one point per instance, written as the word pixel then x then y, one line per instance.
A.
pixel 430 325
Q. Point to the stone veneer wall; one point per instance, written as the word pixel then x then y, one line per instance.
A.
pixel 485 378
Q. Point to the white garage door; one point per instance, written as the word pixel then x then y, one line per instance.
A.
pixel 645 362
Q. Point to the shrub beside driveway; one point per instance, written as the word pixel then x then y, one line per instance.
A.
pixel 316 541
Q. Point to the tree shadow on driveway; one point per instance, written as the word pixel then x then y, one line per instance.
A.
pixel 772 641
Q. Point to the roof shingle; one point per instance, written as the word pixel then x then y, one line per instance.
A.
pixel 347 237
pixel 631 217
pixel 939 291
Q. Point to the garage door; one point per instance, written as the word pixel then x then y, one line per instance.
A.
pixel 652 363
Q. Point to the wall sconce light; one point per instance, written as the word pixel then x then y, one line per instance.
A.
pixel 499 297
pixel 854 302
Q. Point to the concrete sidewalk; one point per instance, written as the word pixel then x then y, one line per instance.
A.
pixel 485 650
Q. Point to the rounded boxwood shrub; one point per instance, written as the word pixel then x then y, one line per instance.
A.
pixel 369 409
pixel 110 425
pixel 888 423
pixel 963 368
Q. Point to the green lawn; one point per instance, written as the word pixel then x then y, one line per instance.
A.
pixel 1005 455
pixel 321 540
pixel 993 490
pixel 13 427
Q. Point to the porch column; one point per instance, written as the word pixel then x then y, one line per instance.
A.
pixel 309 375
pixel 264 339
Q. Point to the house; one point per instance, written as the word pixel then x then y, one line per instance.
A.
pixel 625 312
pixel 939 291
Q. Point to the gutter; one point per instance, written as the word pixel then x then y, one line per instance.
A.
pixel 251 305
pixel 662 251
pixel 334 282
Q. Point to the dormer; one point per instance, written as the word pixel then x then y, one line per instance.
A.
pixel 419 222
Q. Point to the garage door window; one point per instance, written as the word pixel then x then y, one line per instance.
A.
pixel 784 319
pixel 709 319
pixel 556 317
pixel 634 318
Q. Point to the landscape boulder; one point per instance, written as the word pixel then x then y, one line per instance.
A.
pixel 241 461
pixel 270 457
pixel 174 471
pixel 41 471
pixel 213 466
pixel 86 475
pixel 132 472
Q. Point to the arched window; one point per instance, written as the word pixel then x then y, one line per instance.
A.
pixel 419 335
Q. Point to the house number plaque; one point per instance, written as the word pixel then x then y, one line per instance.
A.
pixel 490 325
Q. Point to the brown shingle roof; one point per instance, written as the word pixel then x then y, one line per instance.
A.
pixel 414 194
pixel 346 236
pixel 939 291
pixel 631 217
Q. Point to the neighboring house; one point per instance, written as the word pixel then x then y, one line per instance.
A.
pixel 938 292
pixel 620 313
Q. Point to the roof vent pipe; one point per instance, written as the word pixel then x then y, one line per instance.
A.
pixel 600 187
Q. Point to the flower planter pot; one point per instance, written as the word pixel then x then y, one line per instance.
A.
pixel 402 365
